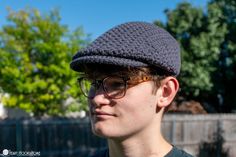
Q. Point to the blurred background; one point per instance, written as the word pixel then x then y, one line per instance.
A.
pixel 42 108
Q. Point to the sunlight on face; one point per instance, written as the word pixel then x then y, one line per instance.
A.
pixel 124 117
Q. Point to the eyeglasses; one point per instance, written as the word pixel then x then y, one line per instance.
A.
pixel 114 87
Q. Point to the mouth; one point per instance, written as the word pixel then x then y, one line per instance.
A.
pixel 102 114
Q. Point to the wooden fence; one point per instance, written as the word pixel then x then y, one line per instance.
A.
pixel 61 137
pixel 195 133
pixel 58 137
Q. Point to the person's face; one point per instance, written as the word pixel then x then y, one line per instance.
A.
pixel 127 116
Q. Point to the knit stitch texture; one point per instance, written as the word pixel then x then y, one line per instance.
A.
pixel 132 44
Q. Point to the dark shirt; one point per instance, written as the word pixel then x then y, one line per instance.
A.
pixel 175 152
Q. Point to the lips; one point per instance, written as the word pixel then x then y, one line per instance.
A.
pixel 102 113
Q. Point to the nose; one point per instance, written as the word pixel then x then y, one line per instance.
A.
pixel 100 98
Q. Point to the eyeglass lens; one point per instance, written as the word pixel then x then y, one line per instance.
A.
pixel 114 87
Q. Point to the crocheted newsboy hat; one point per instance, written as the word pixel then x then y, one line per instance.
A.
pixel 132 44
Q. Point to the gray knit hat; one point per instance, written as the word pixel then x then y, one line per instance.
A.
pixel 132 44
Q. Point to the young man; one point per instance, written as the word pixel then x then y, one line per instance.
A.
pixel 129 76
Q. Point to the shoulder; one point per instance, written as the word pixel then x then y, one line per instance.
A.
pixel 176 152
pixel 100 153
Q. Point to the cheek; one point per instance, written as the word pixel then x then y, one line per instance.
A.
pixel 141 100
pixel 138 108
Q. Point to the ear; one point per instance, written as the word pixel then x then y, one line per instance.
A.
pixel 167 91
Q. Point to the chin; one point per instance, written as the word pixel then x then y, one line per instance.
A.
pixel 108 134
pixel 102 128
pixel 104 132
pixel 101 131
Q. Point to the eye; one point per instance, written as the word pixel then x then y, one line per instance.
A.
pixel 114 83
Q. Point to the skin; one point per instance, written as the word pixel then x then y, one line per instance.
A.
pixel 132 124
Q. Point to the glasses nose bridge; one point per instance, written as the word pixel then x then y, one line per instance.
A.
pixel 99 88
pixel 98 84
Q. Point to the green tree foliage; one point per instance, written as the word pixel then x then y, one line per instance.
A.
pixel 208 51
pixel 35 54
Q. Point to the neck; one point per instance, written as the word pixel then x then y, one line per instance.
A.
pixel 148 143
pixel 151 147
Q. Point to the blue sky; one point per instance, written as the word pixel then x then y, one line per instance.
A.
pixel 97 16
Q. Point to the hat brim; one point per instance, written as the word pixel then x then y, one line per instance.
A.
pixel 77 64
